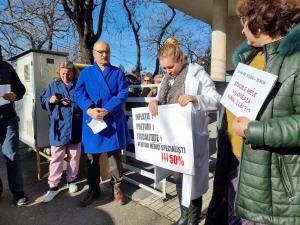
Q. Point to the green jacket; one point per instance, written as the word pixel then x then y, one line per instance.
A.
pixel 269 183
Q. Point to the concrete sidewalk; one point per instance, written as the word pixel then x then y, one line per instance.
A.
pixel 143 207
pixel 168 208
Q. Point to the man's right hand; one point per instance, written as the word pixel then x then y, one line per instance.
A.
pixel 153 107
pixel 95 113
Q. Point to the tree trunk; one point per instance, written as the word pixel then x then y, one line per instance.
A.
pixel 135 26
pixel 156 67
pixel 137 70
pixel 81 13
pixel 86 56
pixel 50 41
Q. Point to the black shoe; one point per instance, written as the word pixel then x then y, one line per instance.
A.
pixel 22 201
pixel 90 197
pixel 183 220
pixel 194 211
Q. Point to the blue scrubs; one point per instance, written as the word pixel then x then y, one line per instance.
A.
pixel 65 121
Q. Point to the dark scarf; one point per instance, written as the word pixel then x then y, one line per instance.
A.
pixel 169 94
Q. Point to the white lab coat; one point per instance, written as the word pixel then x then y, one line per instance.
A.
pixel 199 84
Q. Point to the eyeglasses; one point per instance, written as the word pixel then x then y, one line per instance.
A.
pixel 242 20
pixel 146 80
pixel 102 52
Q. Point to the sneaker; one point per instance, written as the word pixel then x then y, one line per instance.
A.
pixel 22 201
pixel 72 187
pixel 90 196
pixel 49 196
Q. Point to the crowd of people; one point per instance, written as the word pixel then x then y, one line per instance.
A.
pixel 257 171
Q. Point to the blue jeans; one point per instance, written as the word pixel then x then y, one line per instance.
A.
pixel 9 140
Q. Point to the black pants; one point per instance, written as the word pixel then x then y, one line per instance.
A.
pixel 115 168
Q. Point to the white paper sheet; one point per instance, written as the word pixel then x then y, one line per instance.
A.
pixel 5 88
pixel 97 125
pixel 247 91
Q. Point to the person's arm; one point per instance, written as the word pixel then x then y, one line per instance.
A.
pixel 80 95
pixel 16 85
pixel 153 107
pixel 209 98
pixel 45 99
pixel 277 132
pixel 116 102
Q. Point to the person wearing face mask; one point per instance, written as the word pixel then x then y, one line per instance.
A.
pixel 185 83
pixel 257 171
pixel 65 128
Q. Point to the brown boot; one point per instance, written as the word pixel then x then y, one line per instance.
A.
pixel 118 194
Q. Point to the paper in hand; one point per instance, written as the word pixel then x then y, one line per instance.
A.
pixel 3 90
pixel 97 125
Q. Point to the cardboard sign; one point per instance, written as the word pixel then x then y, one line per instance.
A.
pixel 165 140
pixel 247 91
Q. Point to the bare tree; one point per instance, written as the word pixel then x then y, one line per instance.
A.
pixel 81 13
pixel 160 36
pixel 130 6
pixel 205 60
pixel 197 47
pixel 157 29
pixel 31 24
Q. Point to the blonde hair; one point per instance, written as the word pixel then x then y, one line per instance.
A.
pixel 171 49
pixel 157 76
pixel 67 65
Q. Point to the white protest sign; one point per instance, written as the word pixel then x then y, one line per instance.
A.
pixel 247 91
pixel 165 140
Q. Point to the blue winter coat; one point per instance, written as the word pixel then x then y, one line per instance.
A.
pixel 109 90
pixel 65 121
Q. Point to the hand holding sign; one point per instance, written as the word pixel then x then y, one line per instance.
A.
pixel 153 107
pixel 240 124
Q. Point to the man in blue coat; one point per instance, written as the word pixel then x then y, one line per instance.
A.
pixel 100 91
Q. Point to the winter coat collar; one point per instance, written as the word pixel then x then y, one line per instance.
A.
pixel 285 47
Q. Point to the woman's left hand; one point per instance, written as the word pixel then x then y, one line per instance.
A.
pixel 183 100
pixel 240 124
